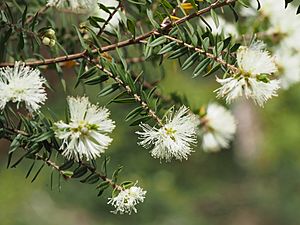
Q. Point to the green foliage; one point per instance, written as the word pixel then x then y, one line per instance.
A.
pixel 100 56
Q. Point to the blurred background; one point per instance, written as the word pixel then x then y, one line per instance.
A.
pixel 254 183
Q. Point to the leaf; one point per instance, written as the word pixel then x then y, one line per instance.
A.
pixel 158 41
pixel 124 100
pixel 178 53
pixel 126 184
pixel 103 184
pixel 93 178
pixel 235 47
pixel 116 173
pixel 226 42
pixel 87 74
pixel 97 80
pixel 132 114
pixel 21 41
pixel 102 187
pixel 167 48
pixel 205 43
pixel 66 165
pixel 79 172
pixel 82 42
pixel 148 49
pixel 24 16
pixel 236 16
pixel 37 173
pixel 30 169
pixel 42 137
pixel 152 21
pixel 212 70
pixel 131 26
pixel 190 60
pixel 15 144
pixel 140 120
pixel 108 89
pixel 215 18
pixel 201 67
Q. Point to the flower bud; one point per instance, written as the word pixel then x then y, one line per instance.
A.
pixel 51 32
pixel 52 43
pixel 46 41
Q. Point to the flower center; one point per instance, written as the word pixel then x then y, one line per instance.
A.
pixel 170 132
pixel 16 93
pixel 83 127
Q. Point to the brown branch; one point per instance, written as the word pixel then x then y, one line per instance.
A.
pixel 216 4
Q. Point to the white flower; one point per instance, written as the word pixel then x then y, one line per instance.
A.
pixel 75 6
pixel 114 21
pixel 22 84
pixel 174 139
pixel 254 64
pixel 267 9
pixel 218 128
pixel 127 199
pixel 282 22
pixel 288 67
pixel 85 134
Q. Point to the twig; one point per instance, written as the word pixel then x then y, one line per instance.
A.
pixel 233 68
pixel 39 12
pixel 111 15
pixel 130 92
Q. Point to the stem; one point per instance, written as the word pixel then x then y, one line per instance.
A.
pixel 130 92
pixel 233 68
pixel 109 19
pixel 39 12
pixel 56 167
pixel 88 166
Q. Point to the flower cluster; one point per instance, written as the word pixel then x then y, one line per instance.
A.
pixel 255 65
pixel 127 199
pixel 218 127
pixel 174 139
pixel 22 84
pixel 283 28
pixel 85 135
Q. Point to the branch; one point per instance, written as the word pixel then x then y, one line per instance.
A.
pixel 233 68
pixel 130 92
pixel 216 4
pixel 56 167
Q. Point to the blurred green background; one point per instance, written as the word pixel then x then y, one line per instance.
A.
pixel 255 183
